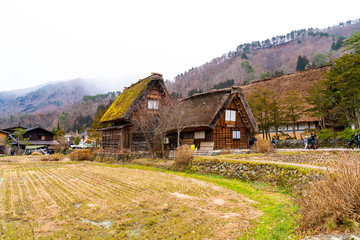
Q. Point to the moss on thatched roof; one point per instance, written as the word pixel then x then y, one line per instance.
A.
pixel 122 106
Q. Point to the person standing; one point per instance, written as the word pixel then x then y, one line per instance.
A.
pixel 357 139
pixel 305 141
pixel 273 142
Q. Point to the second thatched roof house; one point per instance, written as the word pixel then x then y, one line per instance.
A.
pixel 217 119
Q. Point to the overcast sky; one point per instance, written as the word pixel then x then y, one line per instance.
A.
pixel 123 41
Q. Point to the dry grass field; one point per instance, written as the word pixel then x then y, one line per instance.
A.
pixel 62 200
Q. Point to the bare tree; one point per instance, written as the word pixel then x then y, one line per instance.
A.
pixel 177 119
pixel 59 148
pixel 153 125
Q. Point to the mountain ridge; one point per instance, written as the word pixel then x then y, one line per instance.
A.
pixel 250 60
pixel 46 97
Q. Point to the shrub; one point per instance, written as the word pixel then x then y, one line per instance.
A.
pixel 36 153
pixel 81 155
pixel 333 201
pixel 183 155
pixel 77 140
pixel 347 134
pixel 326 134
pixel 262 146
pixel 54 157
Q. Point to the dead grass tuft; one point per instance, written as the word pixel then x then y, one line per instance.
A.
pixel 262 146
pixel 334 201
pixel 81 155
pixel 183 155
pixel 36 153
pixel 54 157
pixel 226 152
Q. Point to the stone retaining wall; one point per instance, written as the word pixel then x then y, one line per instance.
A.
pixel 332 143
pixel 292 177
pixel 214 152
pixel 119 157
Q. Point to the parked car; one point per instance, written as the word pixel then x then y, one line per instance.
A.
pixel 82 145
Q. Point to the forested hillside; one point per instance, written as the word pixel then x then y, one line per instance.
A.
pixel 76 116
pixel 275 56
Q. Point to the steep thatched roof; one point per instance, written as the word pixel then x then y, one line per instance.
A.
pixel 299 81
pixel 125 103
pixel 205 109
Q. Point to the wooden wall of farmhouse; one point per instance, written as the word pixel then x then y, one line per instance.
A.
pixel 154 93
pixel 115 140
pixel 189 137
pixel 223 132
pixel 39 135
pixel 111 140
pixel 138 142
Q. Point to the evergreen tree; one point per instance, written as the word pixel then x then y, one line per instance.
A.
pixel 278 73
pixel 342 86
pixel 338 44
pixel 353 43
pixel 244 56
pixel 247 67
pixel 225 84
pixel 301 63
pixel 265 75
pixel 59 131
pixel 93 133
pixel 194 91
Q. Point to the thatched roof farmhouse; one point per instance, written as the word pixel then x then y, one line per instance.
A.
pixel 149 92
pixel 217 119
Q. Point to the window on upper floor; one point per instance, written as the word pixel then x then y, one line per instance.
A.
pixel 230 116
pixel 153 104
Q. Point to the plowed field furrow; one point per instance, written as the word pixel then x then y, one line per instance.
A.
pixel 17 205
pixel 29 192
pixel 24 197
pixel 87 188
pixel 80 194
pixel 40 200
pixel 103 181
pixel 118 180
pixel 2 192
pixel 7 195
pixel 50 188
pixel 102 187
pixel 45 191
pixel 57 185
